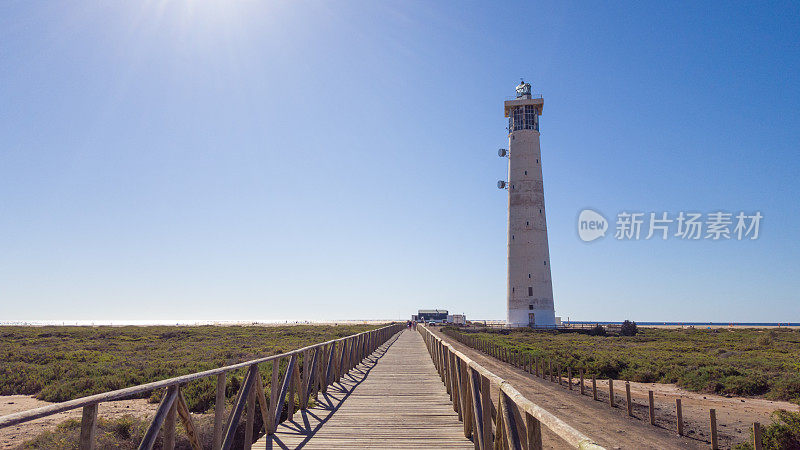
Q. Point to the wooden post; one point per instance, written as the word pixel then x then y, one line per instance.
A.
pixel 628 398
pixel 550 369
pixel 757 445
pixel 569 377
pixel 511 438
pixel 168 429
pixel 296 384
pixel 611 392
pixel 452 378
pixel 714 440
pixel 251 415
pixel 293 386
pixel 465 394
pixel 219 411
pixel 534 428
pixel 652 408
pixel 486 410
pixel 679 414
pixel 582 387
pixel 594 386
pixel 88 427
pixel 559 373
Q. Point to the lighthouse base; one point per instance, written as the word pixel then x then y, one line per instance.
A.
pixel 538 318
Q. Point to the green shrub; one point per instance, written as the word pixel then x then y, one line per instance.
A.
pixel 726 361
pixel 749 384
pixel 782 434
pixel 598 330
pixel 63 363
pixel 628 328
pixel 786 388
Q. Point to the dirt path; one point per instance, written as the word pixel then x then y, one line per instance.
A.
pixel 611 428
pixel 14 436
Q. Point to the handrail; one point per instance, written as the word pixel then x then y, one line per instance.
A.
pixel 455 368
pixel 340 355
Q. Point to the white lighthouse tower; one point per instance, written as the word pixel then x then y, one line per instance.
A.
pixel 530 289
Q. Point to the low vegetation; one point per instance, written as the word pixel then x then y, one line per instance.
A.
pixel 782 434
pixel 747 362
pixel 124 432
pixel 62 363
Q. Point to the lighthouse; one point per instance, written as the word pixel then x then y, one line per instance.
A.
pixel 530 289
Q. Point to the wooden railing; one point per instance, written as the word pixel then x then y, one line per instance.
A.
pixel 514 422
pixel 322 365
pixel 545 368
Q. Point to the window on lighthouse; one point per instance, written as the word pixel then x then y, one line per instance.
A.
pixel 530 291
pixel 524 118
pixel 530 117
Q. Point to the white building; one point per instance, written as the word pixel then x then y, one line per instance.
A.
pixel 457 319
pixel 530 289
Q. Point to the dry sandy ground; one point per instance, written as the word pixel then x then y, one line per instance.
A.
pixel 735 416
pixel 13 436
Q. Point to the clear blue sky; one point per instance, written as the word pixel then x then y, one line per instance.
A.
pixel 337 160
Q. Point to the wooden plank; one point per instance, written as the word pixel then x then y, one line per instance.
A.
pixel 188 423
pixel 261 398
pixel 377 405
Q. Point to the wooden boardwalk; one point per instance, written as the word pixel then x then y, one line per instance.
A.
pixel 394 399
